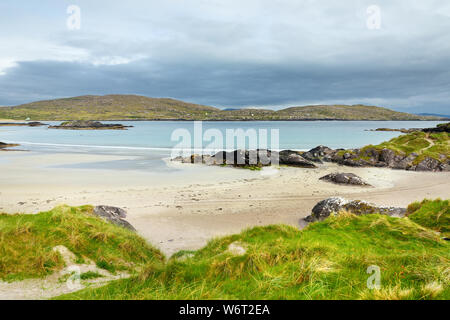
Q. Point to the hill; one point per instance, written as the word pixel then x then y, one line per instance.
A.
pixel 133 107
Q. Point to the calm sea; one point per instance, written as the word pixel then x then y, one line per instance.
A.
pixel 152 140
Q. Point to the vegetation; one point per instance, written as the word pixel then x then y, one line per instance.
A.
pixel 434 145
pixel 431 214
pixel 27 242
pixel 327 260
pixel 132 107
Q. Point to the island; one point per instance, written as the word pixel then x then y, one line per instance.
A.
pixel 89 125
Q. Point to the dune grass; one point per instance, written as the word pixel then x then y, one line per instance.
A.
pixel 433 214
pixel 327 260
pixel 433 145
pixel 26 243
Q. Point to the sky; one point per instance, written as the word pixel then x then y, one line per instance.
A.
pixel 229 53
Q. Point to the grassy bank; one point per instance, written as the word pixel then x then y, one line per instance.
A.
pixel 433 145
pixel 27 242
pixel 327 260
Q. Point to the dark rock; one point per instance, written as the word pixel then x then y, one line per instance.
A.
pixel 89 125
pixel 114 215
pixel 316 154
pixel 3 145
pixel 429 164
pixel 443 127
pixel 294 158
pixel 345 178
pixel 330 206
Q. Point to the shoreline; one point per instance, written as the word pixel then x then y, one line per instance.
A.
pixel 185 208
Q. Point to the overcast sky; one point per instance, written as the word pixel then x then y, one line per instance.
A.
pixel 230 53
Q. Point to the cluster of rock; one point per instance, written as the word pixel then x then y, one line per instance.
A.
pixel 5 146
pixel 89 125
pixel 335 205
pixel 443 127
pixel 403 130
pixel 243 158
pixel 372 157
pixel 114 215
pixel 345 178
pixel 367 157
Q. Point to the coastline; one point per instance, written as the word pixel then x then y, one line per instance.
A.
pixel 188 206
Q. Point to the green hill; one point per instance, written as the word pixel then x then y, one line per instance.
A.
pixel 133 107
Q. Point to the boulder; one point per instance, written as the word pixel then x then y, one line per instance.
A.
pixel 345 178
pixel 114 215
pixel 316 154
pixel 429 164
pixel 331 206
pixel 294 158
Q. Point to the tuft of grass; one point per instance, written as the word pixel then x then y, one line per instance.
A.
pixel 27 241
pixel 90 275
pixel 433 214
pixel 326 260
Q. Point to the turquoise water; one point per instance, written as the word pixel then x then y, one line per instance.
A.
pixel 153 138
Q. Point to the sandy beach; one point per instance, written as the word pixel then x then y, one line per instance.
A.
pixel 191 204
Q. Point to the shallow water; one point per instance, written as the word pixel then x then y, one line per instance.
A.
pixel 151 141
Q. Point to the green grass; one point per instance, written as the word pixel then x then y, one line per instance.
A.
pixel 417 142
pixel 433 214
pixel 26 243
pixel 327 260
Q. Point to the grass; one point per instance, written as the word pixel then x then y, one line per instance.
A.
pixel 424 144
pixel 433 214
pixel 26 243
pixel 326 260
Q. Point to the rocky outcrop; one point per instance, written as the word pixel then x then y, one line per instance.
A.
pixel 403 130
pixel 332 206
pixel 252 158
pixel 443 127
pixel 114 215
pixel 317 154
pixel 5 146
pixel 372 157
pixel 295 159
pixel 89 125
pixel 345 178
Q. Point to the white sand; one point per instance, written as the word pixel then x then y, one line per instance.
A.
pixel 184 209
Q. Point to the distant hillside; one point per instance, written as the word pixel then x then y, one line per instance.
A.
pixel 133 107
pixel 435 115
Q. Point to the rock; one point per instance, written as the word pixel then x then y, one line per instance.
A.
pixel 429 164
pixel 316 154
pixel 114 215
pixel 404 163
pixel 443 127
pixel 294 158
pixel 345 178
pixel 7 145
pixel 387 156
pixel 88 125
pixel 327 207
